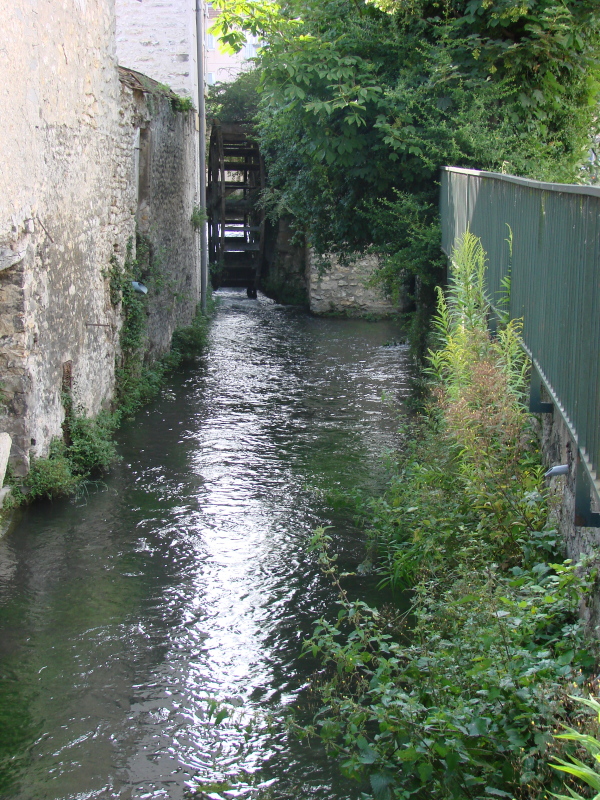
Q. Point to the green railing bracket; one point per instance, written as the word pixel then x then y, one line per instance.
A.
pixel 584 516
pixel 536 405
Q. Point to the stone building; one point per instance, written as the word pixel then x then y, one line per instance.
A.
pixel 158 38
pixel 66 206
pixel 71 147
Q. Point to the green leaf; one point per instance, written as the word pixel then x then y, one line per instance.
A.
pixel 407 755
pixel 566 658
pixel 452 761
pixel 478 727
pixel 581 771
pixel 367 754
pixel 425 770
pixel 380 784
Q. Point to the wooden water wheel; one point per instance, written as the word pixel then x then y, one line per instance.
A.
pixel 236 225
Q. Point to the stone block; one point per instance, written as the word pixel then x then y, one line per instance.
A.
pixel 5 445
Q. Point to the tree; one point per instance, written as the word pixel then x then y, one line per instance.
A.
pixel 364 100
pixel 234 101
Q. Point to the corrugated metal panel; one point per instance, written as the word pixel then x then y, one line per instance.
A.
pixel 555 277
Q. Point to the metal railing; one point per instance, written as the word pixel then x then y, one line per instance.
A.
pixel 547 237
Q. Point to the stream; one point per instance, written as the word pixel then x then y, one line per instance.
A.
pixel 151 628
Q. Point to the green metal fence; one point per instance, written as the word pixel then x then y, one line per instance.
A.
pixel 555 283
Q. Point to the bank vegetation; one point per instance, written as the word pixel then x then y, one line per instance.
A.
pixel 463 695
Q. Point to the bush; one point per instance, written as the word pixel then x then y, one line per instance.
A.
pixel 187 343
pixel 51 477
pixel 92 449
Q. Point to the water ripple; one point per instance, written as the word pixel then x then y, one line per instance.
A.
pixel 181 595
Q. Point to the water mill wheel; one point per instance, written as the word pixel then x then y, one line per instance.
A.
pixel 236 226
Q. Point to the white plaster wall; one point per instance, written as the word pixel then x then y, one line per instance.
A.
pixel 57 69
pixel 158 38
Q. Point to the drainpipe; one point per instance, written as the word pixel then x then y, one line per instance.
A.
pixel 202 152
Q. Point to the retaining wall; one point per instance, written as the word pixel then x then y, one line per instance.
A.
pixel 344 288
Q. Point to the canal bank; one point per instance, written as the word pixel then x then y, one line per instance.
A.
pixel 136 616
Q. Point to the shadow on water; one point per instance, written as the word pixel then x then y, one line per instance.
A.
pixel 150 630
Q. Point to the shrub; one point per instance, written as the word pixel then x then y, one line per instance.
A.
pixel 190 341
pixel 92 449
pixel 51 477
pixel 198 218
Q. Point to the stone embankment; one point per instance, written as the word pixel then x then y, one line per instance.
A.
pixel 295 274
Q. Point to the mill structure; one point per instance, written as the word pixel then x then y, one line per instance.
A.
pixel 236 223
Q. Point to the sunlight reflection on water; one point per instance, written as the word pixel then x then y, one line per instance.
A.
pixel 185 589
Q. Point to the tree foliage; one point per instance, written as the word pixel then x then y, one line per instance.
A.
pixel 365 99
pixel 235 101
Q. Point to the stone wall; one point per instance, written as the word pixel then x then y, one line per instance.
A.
pixel 343 288
pixel 294 274
pixel 66 206
pixel 166 192
pixel 70 174
pixel 558 448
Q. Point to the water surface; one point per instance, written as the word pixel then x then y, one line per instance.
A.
pixel 136 616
